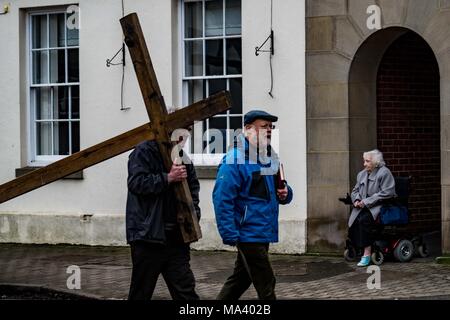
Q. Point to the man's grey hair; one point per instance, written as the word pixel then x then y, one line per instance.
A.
pixel 172 109
pixel 376 156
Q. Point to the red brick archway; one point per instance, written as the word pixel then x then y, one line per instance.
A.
pixel 408 124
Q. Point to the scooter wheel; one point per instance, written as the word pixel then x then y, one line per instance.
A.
pixel 377 258
pixel 404 251
pixel 422 251
pixel 350 254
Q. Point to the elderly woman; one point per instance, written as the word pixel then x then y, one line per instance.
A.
pixel 374 183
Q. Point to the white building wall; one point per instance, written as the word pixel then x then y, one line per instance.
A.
pixel 289 101
pixel 289 104
pixel 91 211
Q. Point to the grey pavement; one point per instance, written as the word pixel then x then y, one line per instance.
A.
pixel 106 271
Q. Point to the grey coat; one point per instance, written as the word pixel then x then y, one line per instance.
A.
pixel 381 186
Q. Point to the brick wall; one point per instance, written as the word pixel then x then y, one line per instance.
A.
pixel 408 124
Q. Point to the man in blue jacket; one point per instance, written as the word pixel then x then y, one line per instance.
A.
pixel 157 246
pixel 246 198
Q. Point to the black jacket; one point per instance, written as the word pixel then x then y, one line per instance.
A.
pixel 151 204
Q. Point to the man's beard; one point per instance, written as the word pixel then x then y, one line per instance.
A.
pixel 264 142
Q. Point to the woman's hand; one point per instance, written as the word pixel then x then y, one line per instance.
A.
pixel 359 204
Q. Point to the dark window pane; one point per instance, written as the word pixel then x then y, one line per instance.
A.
pixel 39 31
pixel 217 85
pixel 236 95
pixel 196 90
pixel 75 136
pixel 57 66
pixel 61 103
pixel 235 123
pixel 72 38
pixel 193 58
pixel 40 67
pixel 204 135
pixel 192 142
pixel 42 101
pixel 43 138
pixel 73 65
pixel 236 129
pixel 57 30
pixel 72 24
pixel 61 138
pixel 214 57
pixel 217 134
pixel 214 18
pixel 197 143
pixel 193 19
pixel 234 56
pixel 75 91
pixel 233 17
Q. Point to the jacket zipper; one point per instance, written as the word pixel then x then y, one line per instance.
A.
pixel 245 214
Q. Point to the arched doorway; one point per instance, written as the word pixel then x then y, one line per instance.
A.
pixel 343 55
pixel 408 124
pixel 394 106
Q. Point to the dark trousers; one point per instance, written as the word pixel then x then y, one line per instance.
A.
pixel 171 260
pixel 252 266
pixel 363 231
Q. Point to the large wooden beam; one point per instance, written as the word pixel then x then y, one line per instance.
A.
pixel 157 111
pixel 111 148
pixel 75 163
pixel 159 130
pixel 198 111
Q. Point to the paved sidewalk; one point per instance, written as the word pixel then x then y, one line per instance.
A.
pixel 106 271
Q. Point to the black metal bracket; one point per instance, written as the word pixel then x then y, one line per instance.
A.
pixel 271 49
pixel 109 62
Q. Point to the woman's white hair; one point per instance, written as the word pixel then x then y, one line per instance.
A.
pixel 376 156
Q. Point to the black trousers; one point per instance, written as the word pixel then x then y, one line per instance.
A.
pixel 252 266
pixel 363 231
pixel 171 260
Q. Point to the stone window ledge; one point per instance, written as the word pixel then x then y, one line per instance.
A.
pixel 203 172
pixel 206 172
pixel 22 171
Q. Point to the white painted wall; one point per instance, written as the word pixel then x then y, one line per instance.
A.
pixel 103 189
pixel 289 104
pixel 104 186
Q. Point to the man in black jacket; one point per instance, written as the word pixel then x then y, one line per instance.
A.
pixel 157 246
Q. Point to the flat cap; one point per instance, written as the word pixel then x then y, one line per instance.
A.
pixel 251 116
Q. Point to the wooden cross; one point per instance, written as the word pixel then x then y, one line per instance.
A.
pixel 159 129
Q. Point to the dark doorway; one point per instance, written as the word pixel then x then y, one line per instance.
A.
pixel 408 124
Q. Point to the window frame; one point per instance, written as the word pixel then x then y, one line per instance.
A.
pixel 207 159
pixel 42 160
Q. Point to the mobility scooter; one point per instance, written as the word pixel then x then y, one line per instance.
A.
pixel 391 240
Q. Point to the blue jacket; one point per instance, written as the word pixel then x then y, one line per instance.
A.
pixel 244 196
